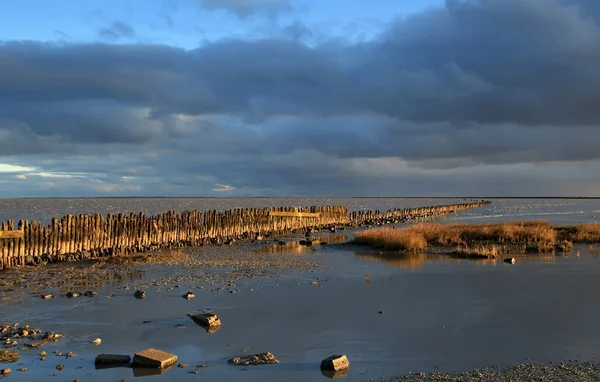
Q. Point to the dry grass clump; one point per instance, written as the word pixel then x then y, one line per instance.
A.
pixel 392 239
pixel 482 239
pixel 583 233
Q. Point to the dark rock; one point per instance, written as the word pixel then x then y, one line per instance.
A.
pixel 206 319
pixel 90 293
pixel 139 294
pixel 59 367
pixel 188 296
pixel 510 260
pixel 73 294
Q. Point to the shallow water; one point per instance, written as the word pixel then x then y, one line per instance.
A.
pixel 438 314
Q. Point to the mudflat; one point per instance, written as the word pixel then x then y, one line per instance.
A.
pixel 389 313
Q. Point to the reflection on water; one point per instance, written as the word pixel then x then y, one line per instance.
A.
pixel 302 246
pixel 419 260
pixel 148 371
pixel 335 374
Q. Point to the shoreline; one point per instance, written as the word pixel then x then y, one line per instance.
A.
pixel 567 371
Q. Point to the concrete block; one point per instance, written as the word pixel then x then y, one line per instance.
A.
pixel 335 362
pixel 154 358
pixel 112 359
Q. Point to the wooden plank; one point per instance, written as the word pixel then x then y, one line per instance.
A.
pixel 295 214
pixel 13 234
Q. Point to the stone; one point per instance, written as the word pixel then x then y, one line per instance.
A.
pixel 59 367
pixel 23 369
pixel 112 359
pixel 46 296
pixel 5 372
pixel 188 296
pixel 154 358
pixel 510 260
pixel 97 341
pixel 205 319
pixel 336 362
pixel 255 359
pixel 139 294
pixel 70 354
pixel 9 356
pixel 43 354
pixel 73 294
pixel 90 293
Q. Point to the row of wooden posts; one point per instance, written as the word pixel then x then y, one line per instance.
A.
pixel 75 237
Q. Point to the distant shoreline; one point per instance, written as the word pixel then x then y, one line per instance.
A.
pixel 305 197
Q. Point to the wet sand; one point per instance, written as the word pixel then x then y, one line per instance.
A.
pixel 439 314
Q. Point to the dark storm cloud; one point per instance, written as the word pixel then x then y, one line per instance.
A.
pixel 245 8
pixel 495 61
pixel 116 30
pixel 479 86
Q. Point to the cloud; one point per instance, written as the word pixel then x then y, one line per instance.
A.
pixel 222 188
pixel 116 31
pixel 245 8
pixel 493 96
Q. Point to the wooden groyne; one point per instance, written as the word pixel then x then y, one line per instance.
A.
pixel 76 237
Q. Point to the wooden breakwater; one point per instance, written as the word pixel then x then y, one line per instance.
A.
pixel 76 237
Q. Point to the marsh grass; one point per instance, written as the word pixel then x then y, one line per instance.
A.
pixel 482 240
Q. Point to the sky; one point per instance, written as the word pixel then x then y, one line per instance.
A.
pixel 241 98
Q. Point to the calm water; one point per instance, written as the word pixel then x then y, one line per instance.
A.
pixel 438 314
pixel 565 211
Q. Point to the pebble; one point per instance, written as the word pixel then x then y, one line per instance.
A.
pixel 565 371
pixel 139 294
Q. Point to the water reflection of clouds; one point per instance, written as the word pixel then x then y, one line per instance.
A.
pixel 300 246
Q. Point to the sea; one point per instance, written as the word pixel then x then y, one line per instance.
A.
pixel 555 211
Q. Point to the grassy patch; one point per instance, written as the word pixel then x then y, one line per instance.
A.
pixel 481 240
